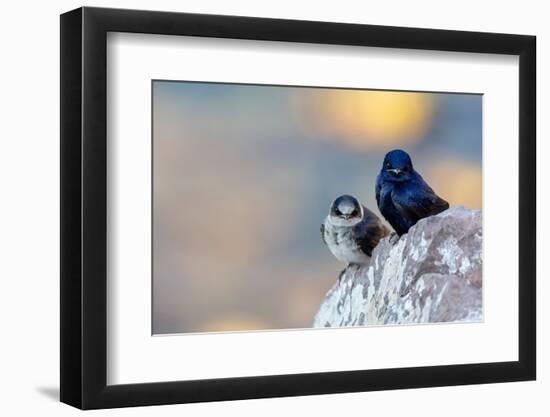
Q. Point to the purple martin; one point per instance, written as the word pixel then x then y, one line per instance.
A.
pixel 402 195
pixel 351 231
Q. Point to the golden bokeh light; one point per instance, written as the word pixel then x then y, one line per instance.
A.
pixel 368 119
pixel 457 182
pixel 234 323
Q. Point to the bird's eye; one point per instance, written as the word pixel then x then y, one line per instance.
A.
pixel 388 165
pixel 337 212
pixel 354 212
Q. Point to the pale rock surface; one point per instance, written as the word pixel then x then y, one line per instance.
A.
pixel 432 274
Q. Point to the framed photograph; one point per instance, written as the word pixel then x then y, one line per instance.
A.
pixel 257 208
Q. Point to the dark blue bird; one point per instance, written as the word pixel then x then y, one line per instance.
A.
pixel 402 195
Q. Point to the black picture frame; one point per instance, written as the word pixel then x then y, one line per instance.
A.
pixel 84 207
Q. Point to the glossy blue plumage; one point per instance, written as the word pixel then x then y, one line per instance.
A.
pixel 402 195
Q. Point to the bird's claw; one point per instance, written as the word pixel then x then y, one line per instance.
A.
pixel 394 238
pixel 341 275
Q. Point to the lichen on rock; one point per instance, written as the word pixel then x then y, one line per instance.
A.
pixel 432 274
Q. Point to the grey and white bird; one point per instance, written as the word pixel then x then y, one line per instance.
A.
pixel 351 231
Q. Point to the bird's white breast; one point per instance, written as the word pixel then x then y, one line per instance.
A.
pixel 341 242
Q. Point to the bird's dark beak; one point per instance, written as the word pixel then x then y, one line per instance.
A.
pixel 396 171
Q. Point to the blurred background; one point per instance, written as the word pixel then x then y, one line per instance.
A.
pixel 245 174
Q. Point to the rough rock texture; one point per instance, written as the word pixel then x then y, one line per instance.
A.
pixel 431 274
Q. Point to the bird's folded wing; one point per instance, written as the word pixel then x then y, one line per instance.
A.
pixel 421 202
pixel 369 233
pixel 323 233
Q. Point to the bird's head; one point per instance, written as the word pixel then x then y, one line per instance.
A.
pixel 345 211
pixel 397 166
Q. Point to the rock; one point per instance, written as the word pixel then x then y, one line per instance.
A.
pixel 432 274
